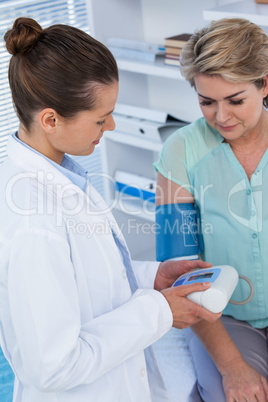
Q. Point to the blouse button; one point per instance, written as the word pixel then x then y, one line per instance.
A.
pixel 254 236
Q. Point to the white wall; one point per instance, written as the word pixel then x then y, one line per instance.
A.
pixel 152 21
pixel 162 18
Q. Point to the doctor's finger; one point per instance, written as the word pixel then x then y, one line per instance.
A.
pixel 185 290
pixel 205 314
pixel 199 264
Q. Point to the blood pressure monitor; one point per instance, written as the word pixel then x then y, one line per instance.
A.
pixel 223 279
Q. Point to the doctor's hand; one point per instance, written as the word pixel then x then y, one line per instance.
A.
pixel 169 271
pixel 185 312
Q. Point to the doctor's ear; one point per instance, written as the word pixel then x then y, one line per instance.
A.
pixel 48 119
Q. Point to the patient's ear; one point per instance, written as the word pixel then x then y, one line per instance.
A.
pixel 265 86
pixel 48 119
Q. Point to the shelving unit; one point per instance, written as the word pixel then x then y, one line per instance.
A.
pixel 158 69
pixel 135 217
pixel 152 86
pixel 248 9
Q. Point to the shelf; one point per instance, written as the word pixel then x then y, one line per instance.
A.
pixel 158 68
pixel 248 9
pixel 136 208
pixel 133 140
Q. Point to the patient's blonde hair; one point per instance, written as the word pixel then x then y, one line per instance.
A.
pixel 234 48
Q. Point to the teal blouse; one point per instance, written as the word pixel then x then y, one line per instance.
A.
pixel 234 210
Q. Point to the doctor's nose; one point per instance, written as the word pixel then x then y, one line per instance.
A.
pixel 110 126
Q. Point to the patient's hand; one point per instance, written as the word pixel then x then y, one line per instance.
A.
pixel 242 383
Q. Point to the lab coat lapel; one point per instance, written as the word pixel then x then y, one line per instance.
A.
pixel 104 210
pixel 117 234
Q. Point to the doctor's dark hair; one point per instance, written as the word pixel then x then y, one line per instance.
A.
pixel 234 48
pixel 60 67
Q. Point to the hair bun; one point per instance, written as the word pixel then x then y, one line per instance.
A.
pixel 23 36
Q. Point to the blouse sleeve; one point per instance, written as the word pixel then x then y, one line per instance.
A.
pixel 172 162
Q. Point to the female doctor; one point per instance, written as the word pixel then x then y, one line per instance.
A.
pixel 76 321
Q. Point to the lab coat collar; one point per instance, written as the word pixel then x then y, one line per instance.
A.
pixel 36 164
pixel 38 167
pixel 68 166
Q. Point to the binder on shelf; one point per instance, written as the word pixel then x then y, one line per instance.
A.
pixel 135 55
pixel 145 123
pixel 135 50
pixel 135 185
pixel 136 45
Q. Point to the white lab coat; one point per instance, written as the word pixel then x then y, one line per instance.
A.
pixel 70 326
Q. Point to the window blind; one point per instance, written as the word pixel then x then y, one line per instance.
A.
pixel 45 12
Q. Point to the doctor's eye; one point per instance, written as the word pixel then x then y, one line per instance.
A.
pixel 101 123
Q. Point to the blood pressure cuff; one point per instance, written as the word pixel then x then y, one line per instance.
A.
pixel 178 231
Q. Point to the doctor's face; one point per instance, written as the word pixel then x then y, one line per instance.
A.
pixel 80 135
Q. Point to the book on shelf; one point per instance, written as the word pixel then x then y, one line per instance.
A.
pixel 172 61
pixel 173 50
pixel 172 57
pixel 177 40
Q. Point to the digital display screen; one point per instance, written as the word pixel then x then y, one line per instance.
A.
pixel 200 276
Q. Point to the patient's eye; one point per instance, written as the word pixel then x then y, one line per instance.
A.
pixel 236 102
pixel 206 103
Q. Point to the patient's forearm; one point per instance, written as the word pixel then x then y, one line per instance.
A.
pixel 218 344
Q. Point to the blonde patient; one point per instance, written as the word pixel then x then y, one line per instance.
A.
pixel 220 163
